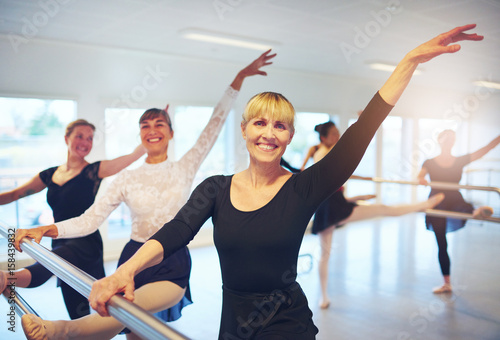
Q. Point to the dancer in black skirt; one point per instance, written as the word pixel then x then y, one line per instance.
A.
pixel 336 210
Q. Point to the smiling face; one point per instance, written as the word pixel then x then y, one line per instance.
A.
pixel 155 135
pixel 266 139
pixel 267 126
pixel 80 141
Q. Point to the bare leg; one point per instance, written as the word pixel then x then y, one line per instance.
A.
pixel 153 297
pixel 363 212
pixel 325 238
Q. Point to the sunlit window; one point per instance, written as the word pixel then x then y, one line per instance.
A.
pixel 31 140
pixel 304 137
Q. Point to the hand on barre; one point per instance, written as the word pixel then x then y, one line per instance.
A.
pixel 104 289
pixel 35 234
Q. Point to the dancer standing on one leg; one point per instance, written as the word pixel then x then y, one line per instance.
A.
pixel 448 168
pixel 337 210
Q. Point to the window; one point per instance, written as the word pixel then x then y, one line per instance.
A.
pixel 304 137
pixel 31 140
pixel 122 136
pixel 189 122
pixel 366 167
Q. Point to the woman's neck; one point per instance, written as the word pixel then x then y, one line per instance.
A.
pixel 75 162
pixel 155 159
pixel 263 174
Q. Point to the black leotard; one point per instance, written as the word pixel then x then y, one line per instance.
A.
pixel 70 200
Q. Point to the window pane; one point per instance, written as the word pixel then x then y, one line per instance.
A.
pixel 304 137
pixel 367 168
pixel 189 122
pixel 391 161
pixel 31 140
pixel 122 136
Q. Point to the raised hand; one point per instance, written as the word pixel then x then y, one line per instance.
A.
pixel 394 87
pixel 441 43
pixel 253 69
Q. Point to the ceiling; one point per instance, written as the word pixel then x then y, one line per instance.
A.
pixel 330 37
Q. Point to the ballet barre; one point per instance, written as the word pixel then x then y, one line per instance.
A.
pixel 134 317
pixel 20 304
pixel 437 185
pixel 460 215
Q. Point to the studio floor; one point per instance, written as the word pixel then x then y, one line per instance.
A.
pixel 381 276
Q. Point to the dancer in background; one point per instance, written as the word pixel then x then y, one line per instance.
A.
pixel 71 189
pixel 260 214
pixel 154 194
pixel 447 168
pixel 336 210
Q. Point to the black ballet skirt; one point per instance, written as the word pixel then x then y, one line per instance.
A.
pixel 176 268
pixel 332 211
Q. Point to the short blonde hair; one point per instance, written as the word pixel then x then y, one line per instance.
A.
pixel 273 104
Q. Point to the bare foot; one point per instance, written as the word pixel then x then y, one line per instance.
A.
pixel 482 212
pixel 324 304
pixel 33 327
pixel 446 288
pixel 435 200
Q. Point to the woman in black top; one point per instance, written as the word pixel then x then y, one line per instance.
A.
pixel 261 213
pixel 71 189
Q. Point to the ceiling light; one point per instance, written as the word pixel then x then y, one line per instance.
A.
pixel 224 39
pixel 488 84
pixel 387 67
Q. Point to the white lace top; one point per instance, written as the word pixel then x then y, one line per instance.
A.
pixel 154 193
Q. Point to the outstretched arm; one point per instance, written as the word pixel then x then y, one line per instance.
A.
pixel 31 187
pixel 399 79
pixel 484 150
pixel 113 166
pixel 338 165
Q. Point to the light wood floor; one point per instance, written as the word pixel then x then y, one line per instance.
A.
pixel 381 276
